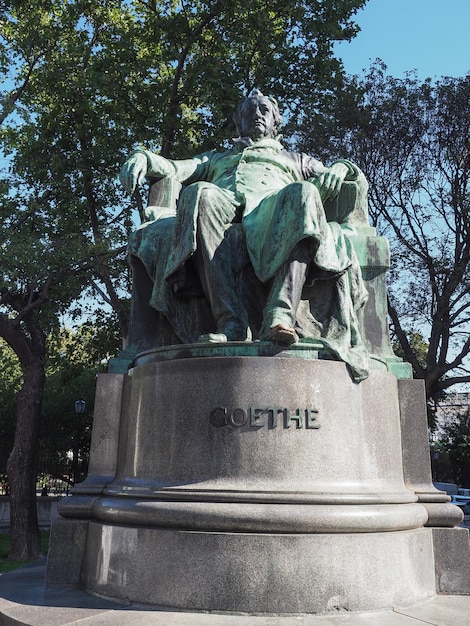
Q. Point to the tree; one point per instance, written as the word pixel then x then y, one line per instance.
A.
pixel 85 81
pixel 44 257
pixel 10 382
pixel 211 52
pixel 75 356
pixel 412 141
pixel 455 443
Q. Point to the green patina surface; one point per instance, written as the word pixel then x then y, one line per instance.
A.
pixel 247 209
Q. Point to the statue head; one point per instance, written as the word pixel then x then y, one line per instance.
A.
pixel 257 116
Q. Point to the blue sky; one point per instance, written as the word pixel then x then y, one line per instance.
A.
pixel 430 36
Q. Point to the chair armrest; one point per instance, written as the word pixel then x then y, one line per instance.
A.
pixel 162 198
pixel 350 205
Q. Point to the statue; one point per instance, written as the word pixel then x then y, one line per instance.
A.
pixel 231 446
pixel 260 238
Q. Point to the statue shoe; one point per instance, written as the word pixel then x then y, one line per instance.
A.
pixel 228 334
pixel 282 334
pixel 213 338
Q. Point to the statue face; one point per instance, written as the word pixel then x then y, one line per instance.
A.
pixel 257 118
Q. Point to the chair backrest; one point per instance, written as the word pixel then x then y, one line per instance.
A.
pixel 350 205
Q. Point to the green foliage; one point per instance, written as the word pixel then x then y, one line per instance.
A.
pixel 84 81
pixel 5 564
pixel 92 79
pixel 75 358
pixel 455 442
pixel 11 373
pixel 10 382
pixel 417 344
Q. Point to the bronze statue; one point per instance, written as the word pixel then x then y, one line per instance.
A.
pixel 262 233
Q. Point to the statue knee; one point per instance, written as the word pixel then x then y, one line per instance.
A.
pixel 209 197
pixel 199 189
pixel 310 192
pixel 305 192
pixel 214 208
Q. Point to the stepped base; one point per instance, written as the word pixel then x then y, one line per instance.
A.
pixel 249 485
pixel 260 573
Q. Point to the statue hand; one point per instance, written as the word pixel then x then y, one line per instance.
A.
pixel 329 182
pixel 133 172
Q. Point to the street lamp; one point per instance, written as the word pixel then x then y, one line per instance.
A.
pixel 80 407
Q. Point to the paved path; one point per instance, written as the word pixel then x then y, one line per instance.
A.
pixel 25 600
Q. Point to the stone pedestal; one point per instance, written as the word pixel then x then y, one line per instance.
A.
pixel 260 572
pixel 247 484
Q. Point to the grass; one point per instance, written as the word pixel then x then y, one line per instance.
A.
pixel 5 564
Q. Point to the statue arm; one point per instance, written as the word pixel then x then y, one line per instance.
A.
pixel 354 173
pixel 145 164
pixel 181 170
pixel 328 180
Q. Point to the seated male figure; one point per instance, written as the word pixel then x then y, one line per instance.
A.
pixel 278 197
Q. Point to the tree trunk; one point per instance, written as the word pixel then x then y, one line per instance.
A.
pixel 22 463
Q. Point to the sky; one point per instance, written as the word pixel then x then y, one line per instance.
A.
pixel 429 36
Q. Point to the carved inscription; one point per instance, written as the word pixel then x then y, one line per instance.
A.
pixel 269 417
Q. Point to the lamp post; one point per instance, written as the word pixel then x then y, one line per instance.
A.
pixel 80 407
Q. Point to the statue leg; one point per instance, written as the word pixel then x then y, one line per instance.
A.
pixel 284 296
pixel 218 259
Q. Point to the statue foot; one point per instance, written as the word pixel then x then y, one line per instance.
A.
pixel 229 332
pixel 282 334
